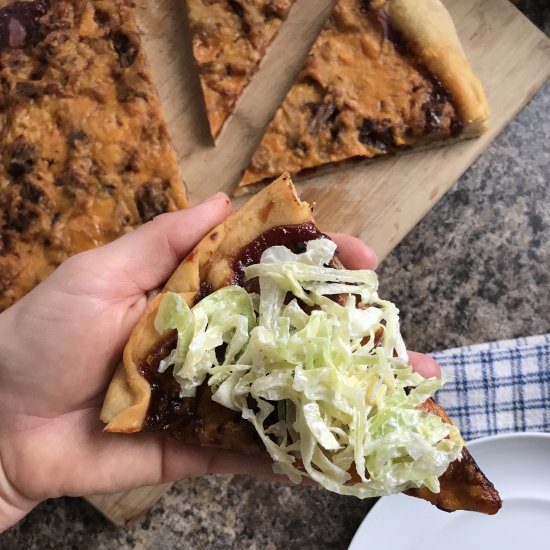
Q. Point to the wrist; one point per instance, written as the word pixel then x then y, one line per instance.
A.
pixel 9 515
pixel 13 506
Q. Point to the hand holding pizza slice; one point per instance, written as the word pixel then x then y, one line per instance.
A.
pixel 262 343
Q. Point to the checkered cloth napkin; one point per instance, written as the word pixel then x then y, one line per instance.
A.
pixel 498 387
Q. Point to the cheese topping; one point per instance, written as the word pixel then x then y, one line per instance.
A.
pixel 230 38
pixel 361 93
pixel 86 153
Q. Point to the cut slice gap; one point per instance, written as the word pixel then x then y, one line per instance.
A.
pixel 256 106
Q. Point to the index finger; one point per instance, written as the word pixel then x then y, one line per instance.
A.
pixel 144 259
pixel 353 252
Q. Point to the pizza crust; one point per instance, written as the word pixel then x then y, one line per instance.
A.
pixel 429 29
pixel 382 77
pixel 127 400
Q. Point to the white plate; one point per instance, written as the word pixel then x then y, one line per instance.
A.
pixel 518 465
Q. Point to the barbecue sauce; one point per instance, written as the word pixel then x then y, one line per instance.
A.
pixel 198 419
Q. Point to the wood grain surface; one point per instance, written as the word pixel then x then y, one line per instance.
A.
pixel 378 201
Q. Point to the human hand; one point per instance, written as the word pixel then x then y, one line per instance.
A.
pixel 59 347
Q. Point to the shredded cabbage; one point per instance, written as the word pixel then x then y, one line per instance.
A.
pixel 335 373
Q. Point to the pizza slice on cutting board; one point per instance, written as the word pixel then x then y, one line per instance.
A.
pixel 383 76
pixel 230 38
pixel 85 154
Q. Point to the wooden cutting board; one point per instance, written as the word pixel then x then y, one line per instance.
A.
pixel 380 201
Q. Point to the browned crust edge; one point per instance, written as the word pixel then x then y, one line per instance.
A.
pixel 429 28
pixel 128 396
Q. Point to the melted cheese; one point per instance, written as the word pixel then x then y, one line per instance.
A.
pixel 86 154
pixel 230 38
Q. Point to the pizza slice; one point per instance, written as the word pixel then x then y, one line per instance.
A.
pixel 85 154
pixel 261 342
pixel 230 38
pixel 383 76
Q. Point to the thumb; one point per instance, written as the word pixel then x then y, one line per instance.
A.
pixel 424 364
pixel 145 258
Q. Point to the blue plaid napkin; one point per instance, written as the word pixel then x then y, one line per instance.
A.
pixel 498 387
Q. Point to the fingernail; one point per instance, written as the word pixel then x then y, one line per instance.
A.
pixel 219 195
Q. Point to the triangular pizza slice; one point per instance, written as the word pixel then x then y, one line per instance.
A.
pixel 261 342
pixel 383 76
pixel 230 38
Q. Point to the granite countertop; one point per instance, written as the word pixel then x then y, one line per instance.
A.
pixel 476 269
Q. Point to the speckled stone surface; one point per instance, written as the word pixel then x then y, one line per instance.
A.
pixel 537 11
pixel 477 268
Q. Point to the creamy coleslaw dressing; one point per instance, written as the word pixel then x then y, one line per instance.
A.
pixel 326 384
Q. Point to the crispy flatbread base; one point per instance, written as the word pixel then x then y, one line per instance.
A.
pixel 463 486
